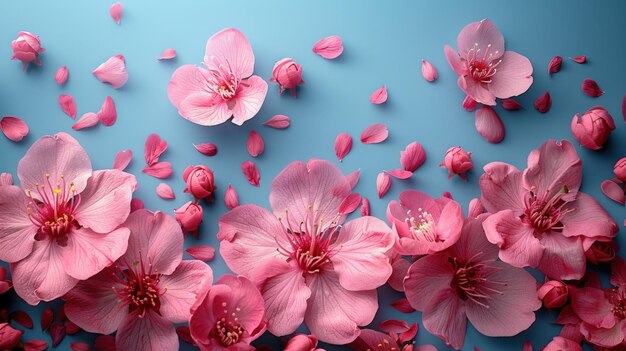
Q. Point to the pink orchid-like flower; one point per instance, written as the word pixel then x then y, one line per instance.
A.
pixel 424 225
pixel 27 48
pixel 288 74
pixel 485 70
pixel 228 315
pixel 307 263
pixel 226 88
pixel 467 282
pixel 62 225
pixel 540 218
pixel 400 340
pixel 145 291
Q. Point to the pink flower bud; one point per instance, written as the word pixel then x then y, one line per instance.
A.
pixel 601 251
pixel 457 161
pixel 200 181
pixel 301 342
pixel 189 216
pixel 553 293
pixel 9 337
pixel 61 75
pixel 620 169
pixel 429 71
pixel 288 74
pixel 27 48
pixel 593 128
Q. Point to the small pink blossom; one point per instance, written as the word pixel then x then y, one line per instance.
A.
pixel 61 75
pixel 288 74
pixel 457 161
pixel 553 293
pixel 189 216
pixel 329 48
pixel 302 342
pixel 200 181
pixel 27 48
pixel 112 71
pixel 593 128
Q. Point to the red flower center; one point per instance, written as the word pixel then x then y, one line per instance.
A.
pixel 227 329
pixel 545 214
pixel 139 288
pixel 470 280
pixel 480 65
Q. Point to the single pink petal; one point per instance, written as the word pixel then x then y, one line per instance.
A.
pixel 153 148
pixel 152 332
pixel 116 12
pixel 207 149
pixel 61 75
pixel 374 134
pixel 489 125
pixel 168 54
pixel 482 34
pixel 159 170
pixel 57 333
pixel 445 318
pixel 365 207
pixel 6 178
pixel 383 183
pixel 47 316
pixel 183 286
pixel 205 109
pixel 112 71
pixel 399 267
pixel 187 80
pixel 469 104
pixel 579 59
pixel 68 105
pixel 165 191
pixel 429 72
pixel 80 346
pixel 122 159
pixel 87 120
pixel 251 172
pixel 230 47
pixel 511 104
pixel 353 178
pixel 108 114
pixel 343 145
pixel 514 76
pixel 350 204
pixel 379 96
pixel 544 102
pixel 329 47
pixel 400 173
pixel 278 122
pixel 36 345
pixel 231 199
pixel 14 128
pixel 412 157
pixel 204 253
pixel 249 99
pixel 518 245
pixel 591 88
pixel 22 318
pixel 402 305
pixel 255 144
pixel 136 204
pixel 613 191
pixel 555 64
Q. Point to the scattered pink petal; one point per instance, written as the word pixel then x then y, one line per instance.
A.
pixel 112 71
pixel 489 125
pixel 57 333
pixel 511 104
pixel 379 96
pixel 555 64
pixel 343 145
pixel 579 59
pixel 353 178
pixel 329 47
pixel 231 199
pixel 87 120
pixel 402 305
pixel 613 191
pixel 278 122
pixel 80 346
pixel 68 105
pixel 153 148
pixel 159 170
pixel 184 333
pixel 105 343
pixel 350 204
pixel 591 88
pixel 168 54
pixel 204 253
pixel 14 128
pixel 383 183
pixel 400 173
pixel 116 12
pixel 469 104
pixel 255 144
pixel 429 71
pixel 251 172
pixel 71 328
pixel 374 134
pixel 365 207
pixel 108 114
pixel 447 194
pixel 61 75
pixel 207 149
pixel 122 159
pixel 393 326
pixel 22 318
pixel 544 102
pixel 47 316
pixel 412 157
pixel 35 345
pixel 136 204
pixel 165 191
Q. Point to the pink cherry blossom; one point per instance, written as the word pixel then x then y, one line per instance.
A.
pixel 144 292
pixel 308 264
pixel 226 88
pixel 485 70
pixel 27 48
pixel 288 74
pixel 465 282
pixel 540 218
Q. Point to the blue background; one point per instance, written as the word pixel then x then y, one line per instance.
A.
pixel 384 44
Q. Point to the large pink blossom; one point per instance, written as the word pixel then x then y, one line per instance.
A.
pixel 539 218
pixel 62 224
pixel 145 291
pixel 485 70
pixel 307 263
pixel 466 282
pixel 225 88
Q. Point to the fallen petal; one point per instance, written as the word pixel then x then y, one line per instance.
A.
pixel 122 159
pixel 379 96
pixel 343 145
pixel 22 318
pixel 613 191
pixel 68 105
pixel 544 102
pixel 204 253
pixel 353 178
pixel 350 203
pixel 329 47
pixel 383 183
pixel 207 149
pixel 159 170
pixel 365 207
pixel 80 346
pixel 168 54
pixel 555 64
pixel 511 104
pixel 429 72
pixel 255 144
pixel 57 333
pixel 579 59
pixel 71 328
pixel 116 12
pixel 112 71
pixel 278 122
pixel 393 326
pixel 153 148
pixel 47 316
pixel 251 172
pixel 61 75
pixel 87 120
pixel 108 114
pixel 489 125
pixel 591 88
pixel 402 305
pixel 231 199
pixel 14 128
pixel 165 191
pixel 469 104
pixel 400 173
pixel 374 134
pixel 35 345
pixel 412 157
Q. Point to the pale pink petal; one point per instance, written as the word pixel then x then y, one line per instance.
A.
pixel 365 207
pixel 112 71
pixel 161 170
pixel 412 157
pixel 343 145
pixel 511 104
pixel 153 148
pixel 150 333
pixel 425 279
pixel 483 34
pixel 61 75
pixel 454 60
pixel 6 178
pixel 116 12
pixel 14 128
pixel 379 96
pixel 393 326
pixel 255 144
pixel 278 122
pixel 87 120
pixel 518 245
pixel 429 72
pixel 205 109
pixel 202 252
pixel 476 91
pixel 207 149
pixel 544 102
pixel 555 64
pixel 350 204
pixel 329 47
pixel 68 105
pixel 108 114
pixel 122 159
pixel 501 188
pixel 249 99
pixel 591 88
pixel 251 172
pixel 586 217
pixel 383 183
pixel 591 305
pixel 17 232
pixel 563 258
pixel 553 166
pixel 167 54
pixel 231 199
pixel 376 133
pixel 230 48
pixel 613 191
pixel 489 125
pixel 165 191
pixel 186 80
pixel 473 240
pixel 445 317
pixel 353 178
pixel 400 174
pixel 182 288
pixel 399 268
pixel 514 76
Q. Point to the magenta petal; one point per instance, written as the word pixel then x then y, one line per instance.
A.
pixel 136 204
pixel 61 75
pixel 579 59
pixel 22 318
pixel 365 207
pixel 116 12
pixel 159 170
pixel 13 128
pixel 591 88
pixel 165 191
pixel 353 178
pixel 112 71
pixel 511 104
pixel 555 64
pixel 350 204
pixel 374 134
pixel 68 105
pixel 278 122
pixel 251 172
pixel 87 120
pixel 544 102
pixel 153 148
pixel 383 183
pixel 489 125
pixel 122 159
pixel 624 108
pixel 343 145
pixel 108 114
pixel 255 144
pixel 231 199
pixel 379 96
pixel 202 252
pixel 469 104
pixel 168 54
pixel 429 72
pixel 412 157
pixel 402 305
pixel 400 173
pixel 613 191
pixel 207 149
pixel 329 47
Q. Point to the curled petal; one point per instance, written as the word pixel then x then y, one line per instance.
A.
pixel 613 191
pixel 579 59
pixel 251 172
pixel 350 203
pixel 204 253
pixel 231 199
pixel 87 120
pixel 116 12
pixel 489 125
pixel 165 191
pixel 207 149
pixel 14 128
pixel 591 88
pixel 277 122
pixel 365 207
pixel 374 134
pixel 329 47
pixel 353 178
pixel 343 145
pixel 544 102
pixel 412 157
pixel 122 159
pixel 469 104
pixel 555 64
pixel 511 104
pixel 168 54
pixel 400 173
pixel 159 170
pixel 379 96
pixel 108 114
pixel 429 72
pixel 61 75
pixel 383 183
pixel 112 71
pixel 68 105
pixel 255 144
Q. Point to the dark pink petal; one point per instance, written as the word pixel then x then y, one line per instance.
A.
pixel 469 104
pixel 204 253
pixel 231 199
pixel 350 203
pixel 13 128
pixel 329 47
pixel 22 318
pixel 47 316
pixel 343 145
pixel 61 75
pixel 116 12
pixel 365 207
pixel 379 96
pixel 400 173
pixel 71 328
pixel 153 148
pixel 544 102
pixel 412 157
pixel 207 149
pixel 383 183
pixel 489 125
pixel 393 326
pixel 68 105
pixel 87 120
pixel 136 204
pixel 80 346
pixel 168 54
pixel 105 343
pixel 122 159
pixel 108 114
pixel 184 333
pixel 511 104
pixel 112 71
pixel 624 108
pixel 555 64
pixel 165 191
pixel 613 191
pixel 374 134
pixel 579 59
pixel 159 170
pixel 255 144
pixel 429 72
pixel 591 88
pixel 35 345
pixel 57 333
pixel 353 178
pixel 278 122
pixel 402 305
pixel 251 172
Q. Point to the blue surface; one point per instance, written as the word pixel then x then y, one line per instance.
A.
pixel 384 44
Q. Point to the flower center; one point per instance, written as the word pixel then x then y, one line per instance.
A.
pixel 480 65
pixel 423 227
pixel 227 329
pixel 139 289
pixel 545 214
pixel 470 280
pixel 223 81
pixel 618 299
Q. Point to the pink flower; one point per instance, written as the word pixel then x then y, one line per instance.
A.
pixel 189 216
pixel 200 181
pixel 288 74
pixel 457 161
pixel 228 315
pixel 63 224
pixel 302 342
pixel 226 88
pixel 424 225
pixel 398 341
pixel 466 282
pixel 593 128
pixel 620 169
pixel 553 293
pixel 9 337
pixel 485 70
pixel 307 264
pixel 540 219
pixel 27 48
pixel 144 292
